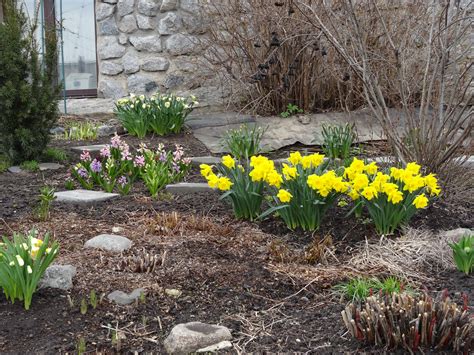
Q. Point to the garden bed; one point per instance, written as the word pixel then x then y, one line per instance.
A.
pixel 229 272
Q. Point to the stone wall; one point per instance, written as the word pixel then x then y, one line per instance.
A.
pixel 145 46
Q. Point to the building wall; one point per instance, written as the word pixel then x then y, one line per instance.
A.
pixel 146 46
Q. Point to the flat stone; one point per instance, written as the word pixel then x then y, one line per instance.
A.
pixel 110 68
pixel 170 24
pixel 84 196
pixel 210 160
pixel 456 234
pixel 111 89
pixel 123 298
pixel 190 5
pixel 128 24
pixel 146 22
pixel 131 63
pixel 15 170
pixel 183 188
pixel 57 130
pixel 168 5
pixel 148 7
pixel 108 27
pixel 110 49
pixel 216 347
pixel 103 10
pixel 106 130
pixel 89 148
pixel 50 166
pixel 179 44
pixel 190 337
pixel 140 84
pixel 109 242
pixel 147 43
pixel 125 7
pixel 218 120
pixel 58 276
pixel 155 64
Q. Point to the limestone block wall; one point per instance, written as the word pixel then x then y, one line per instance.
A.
pixel 145 46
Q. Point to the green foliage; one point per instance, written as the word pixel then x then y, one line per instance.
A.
pixel 160 114
pixel 4 163
pixel 463 254
pixel 83 308
pixel 359 289
pixel 46 197
pixel 338 140
pixel 23 261
pixel 93 299
pixel 56 155
pixel 291 110
pixel 81 346
pixel 80 131
pixel 244 142
pixel 28 107
pixel 30 165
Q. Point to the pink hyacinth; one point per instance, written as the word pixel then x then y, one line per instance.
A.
pixel 139 161
pixel 115 141
pixel 85 156
pixel 105 152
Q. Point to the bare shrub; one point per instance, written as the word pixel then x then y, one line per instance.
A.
pixel 411 56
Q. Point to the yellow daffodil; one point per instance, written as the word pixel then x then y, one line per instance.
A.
pixel 228 161
pixel 371 168
pixel 360 181
pixel 420 201
pixel 394 196
pixel 295 158
pixel 224 184
pixel 274 179
pixel 369 193
pixel 413 168
pixel 284 196
pixel 289 172
pixel 213 181
pixel 206 170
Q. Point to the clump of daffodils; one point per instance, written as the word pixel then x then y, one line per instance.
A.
pixel 23 261
pixel 391 198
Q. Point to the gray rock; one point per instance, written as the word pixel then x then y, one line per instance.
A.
pixel 109 242
pixel 130 63
pixel 50 166
pixel 184 188
pixel 146 22
pixel 148 7
pixel 110 1
pixel 456 234
pixel 58 276
pixel 140 84
pixel 219 119
pixel 190 337
pixel 57 130
pixel 123 298
pixel 170 24
pixel 173 81
pixel 194 24
pixel 103 10
pixel 123 38
pixel 190 5
pixel 168 5
pixel 210 160
pixel 215 348
pixel 128 24
pixel 185 64
pixel 108 27
pixel 146 43
pixel 110 48
pixel 106 130
pixel 125 7
pixel 89 148
pixel 172 292
pixel 110 68
pixel 179 44
pixel 155 64
pixel 112 89
pixel 15 170
pixel 84 196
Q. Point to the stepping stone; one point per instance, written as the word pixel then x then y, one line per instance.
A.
pixel 210 160
pixel 456 234
pixel 183 188
pixel 42 167
pixel 190 337
pixel 58 276
pixel 123 298
pixel 218 119
pixel 84 196
pixel 109 242
pixel 89 148
pixel 215 348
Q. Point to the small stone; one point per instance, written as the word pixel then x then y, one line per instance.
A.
pixel 125 7
pixel 108 27
pixel 210 160
pixel 173 293
pixel 170 24
pixel 112 89
pixel 109 68
pixel 456 234
pixel 173 81
pixel 128 24
pixel 123 39
pixel 83 196
pixel 140 84
pixel 179 44
pixel 106 130
pixel 216 347
pixel 146 43
pixel 146 22
pixel 190 5
pixel 184 188
pixel 90 148
pixel 58 276
pixel 123 298
pixel 50 166
pixel 168 5
pixel 130 63
pixel 109 242
pixel 57 130
pixel 103 10
pixel 148 7
pixel 117 229
pixel 155 64
pixel 190 337
pixel 15 170
pixel 111 49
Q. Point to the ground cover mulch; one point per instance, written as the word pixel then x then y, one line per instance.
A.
pixel 255 278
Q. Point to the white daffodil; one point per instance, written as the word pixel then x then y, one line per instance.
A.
pixel 21 262
pixel 29 270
